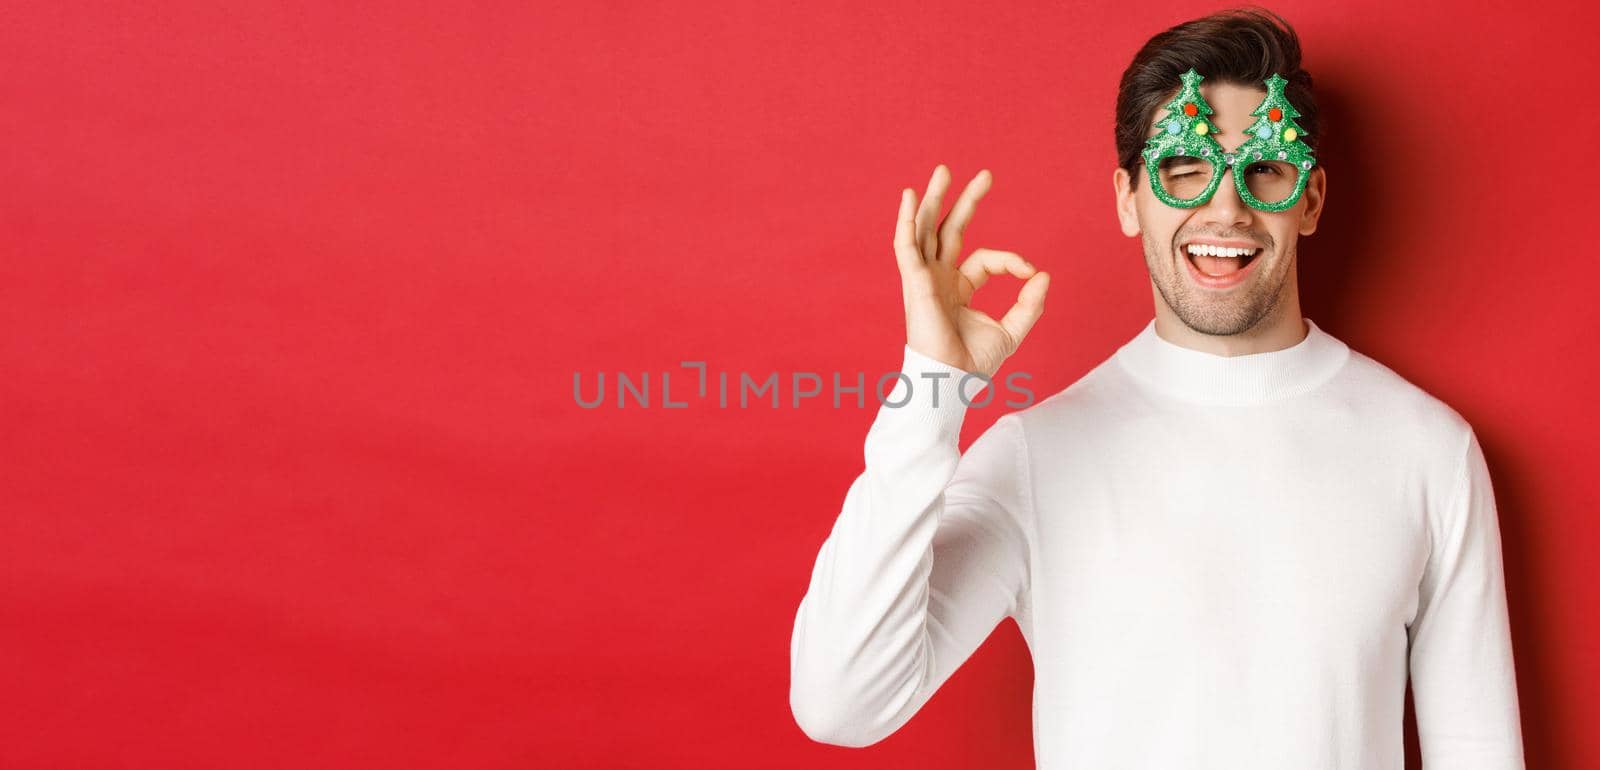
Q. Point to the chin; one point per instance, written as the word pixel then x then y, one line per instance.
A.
pixel 1220 312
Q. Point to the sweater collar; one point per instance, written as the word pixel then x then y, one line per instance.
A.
pixel 1192 375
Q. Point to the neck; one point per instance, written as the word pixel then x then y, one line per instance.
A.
pixel 1188 373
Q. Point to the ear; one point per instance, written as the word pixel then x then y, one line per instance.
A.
pixel 1127 211
pixel 1316 192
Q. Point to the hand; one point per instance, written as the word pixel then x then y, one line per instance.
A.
pixel 938 322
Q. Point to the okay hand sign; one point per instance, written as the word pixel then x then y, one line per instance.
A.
pixel 939 324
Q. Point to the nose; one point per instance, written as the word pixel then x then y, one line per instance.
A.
pixel 1226 209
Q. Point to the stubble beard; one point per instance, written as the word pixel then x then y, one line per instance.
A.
pixel 1238 311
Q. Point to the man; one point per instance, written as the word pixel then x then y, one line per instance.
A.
pixel 1230 543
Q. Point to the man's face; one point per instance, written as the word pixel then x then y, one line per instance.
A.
pixel 1237 303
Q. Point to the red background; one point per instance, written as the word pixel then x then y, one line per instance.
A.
pixel 293 296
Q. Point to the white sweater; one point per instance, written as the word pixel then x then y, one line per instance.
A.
pixel 1218 563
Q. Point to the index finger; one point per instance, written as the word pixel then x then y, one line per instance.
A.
pixel 983 263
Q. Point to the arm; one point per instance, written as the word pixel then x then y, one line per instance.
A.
pixel 928 554
pixel 1462 678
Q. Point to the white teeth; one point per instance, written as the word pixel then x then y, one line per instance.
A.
pixel 1218 251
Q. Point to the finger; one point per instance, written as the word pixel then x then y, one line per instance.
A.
pixel 1019 320
pixel 983 263
pixel 960 214
pixel 928 213
pixel 905 240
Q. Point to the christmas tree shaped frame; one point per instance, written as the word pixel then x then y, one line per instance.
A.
pixel 1274 137
pixel 1186 130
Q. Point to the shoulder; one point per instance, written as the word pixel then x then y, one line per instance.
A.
pixel 1099 400
pixel 1395 405
pixel 1431 443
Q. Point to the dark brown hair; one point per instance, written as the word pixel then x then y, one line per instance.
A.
pixel 1243 46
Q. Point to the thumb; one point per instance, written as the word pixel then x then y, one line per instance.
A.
pixel 1030 305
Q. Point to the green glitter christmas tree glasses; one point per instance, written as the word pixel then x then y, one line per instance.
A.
pixel 1186 164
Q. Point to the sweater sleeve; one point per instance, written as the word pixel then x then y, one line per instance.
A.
pixel 1462 678
pixel 927 555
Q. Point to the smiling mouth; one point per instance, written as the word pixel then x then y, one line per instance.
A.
pixel 1219 263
